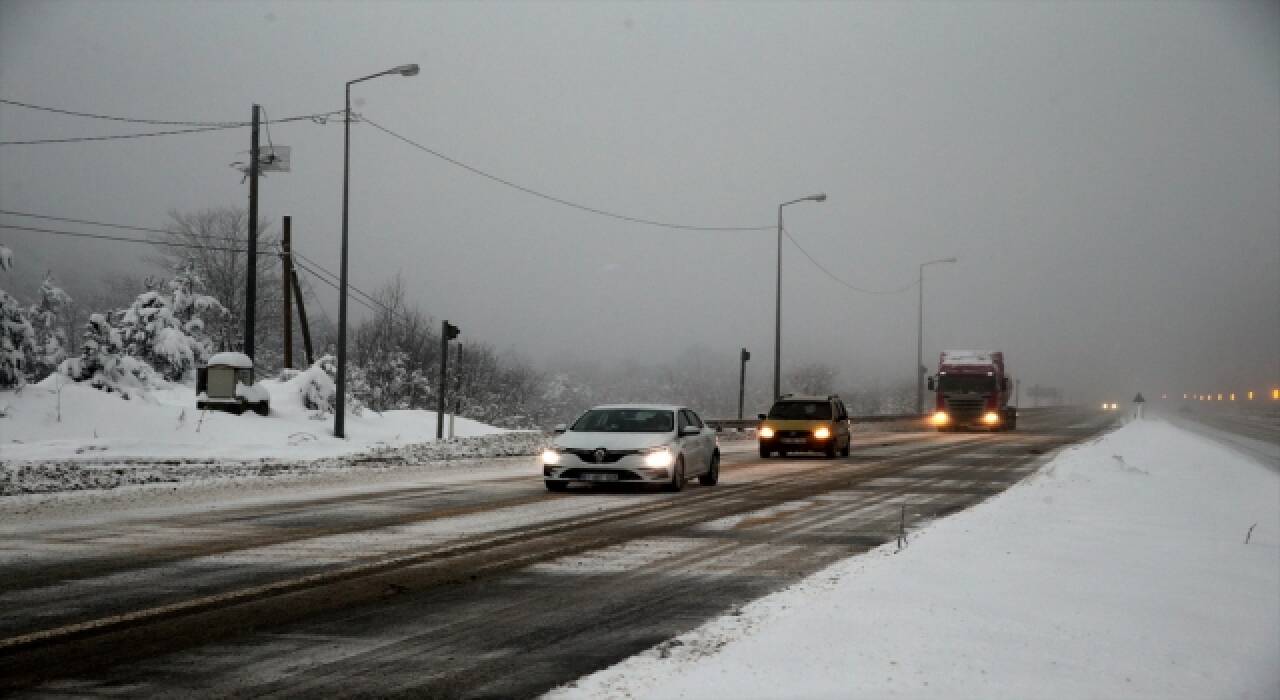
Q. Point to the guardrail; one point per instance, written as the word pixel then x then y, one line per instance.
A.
pixel 721 424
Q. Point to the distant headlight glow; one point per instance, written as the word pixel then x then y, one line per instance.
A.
pixel 940 418
pixel 991 418
pixel 822 433
pixel 766 432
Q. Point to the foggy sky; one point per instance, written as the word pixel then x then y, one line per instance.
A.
pixel 1107 174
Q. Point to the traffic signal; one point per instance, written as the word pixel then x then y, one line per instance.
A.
pixel 745 355
pixel 450 331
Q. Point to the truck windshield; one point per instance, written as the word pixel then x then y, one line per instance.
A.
pixel 966 384
pixel 801 410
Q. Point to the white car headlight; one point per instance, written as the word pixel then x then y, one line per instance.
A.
pixel 550 456
pixel 658 457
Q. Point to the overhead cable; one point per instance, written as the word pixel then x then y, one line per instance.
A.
pixel 320 118
pixel 551 198
pixel 836 278
pixel 122 239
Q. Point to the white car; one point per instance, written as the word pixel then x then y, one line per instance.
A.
pixel 633 443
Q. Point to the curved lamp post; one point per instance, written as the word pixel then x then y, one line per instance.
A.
pixel 777 321
pixel 408 69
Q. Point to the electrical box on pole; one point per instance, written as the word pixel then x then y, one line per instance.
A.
pixel 448 332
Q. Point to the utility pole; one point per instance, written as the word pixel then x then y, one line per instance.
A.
pixel 251 273
pixel 302 317
pixel 742 378
pixel 285 277
pixel 448 332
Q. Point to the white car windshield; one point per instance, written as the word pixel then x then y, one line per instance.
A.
pixel 624 420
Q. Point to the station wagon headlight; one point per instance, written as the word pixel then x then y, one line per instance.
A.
pixel 550 456
pixel 991 418
pixel 940 418
pixel 658 457
pixel 822 433
pixel 766 432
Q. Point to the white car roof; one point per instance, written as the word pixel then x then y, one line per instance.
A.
pixel 642 406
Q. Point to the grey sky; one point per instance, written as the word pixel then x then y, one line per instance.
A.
pixel 1107 173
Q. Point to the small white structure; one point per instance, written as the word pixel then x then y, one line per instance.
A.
pixel 226 384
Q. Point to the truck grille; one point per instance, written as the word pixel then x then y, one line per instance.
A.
pixel 959 406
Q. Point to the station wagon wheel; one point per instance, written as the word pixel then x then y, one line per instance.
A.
pixel 556 485
pixel 677 477
pixel 847 446
pixel 713 472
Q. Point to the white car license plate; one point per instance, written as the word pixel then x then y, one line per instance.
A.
pixel 599 476
pixel 794 441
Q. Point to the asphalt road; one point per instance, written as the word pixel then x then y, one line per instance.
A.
pixel 464 588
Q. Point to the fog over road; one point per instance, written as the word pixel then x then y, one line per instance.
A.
pixel 461 586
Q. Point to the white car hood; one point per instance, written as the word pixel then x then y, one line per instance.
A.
pixel 611 441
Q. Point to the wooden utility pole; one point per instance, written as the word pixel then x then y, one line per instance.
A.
pixel 286 276
pixel 251 273
pixel 302 318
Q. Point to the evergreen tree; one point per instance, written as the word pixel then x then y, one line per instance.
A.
pixel 17 335
pixel 48 348
pixel 164 327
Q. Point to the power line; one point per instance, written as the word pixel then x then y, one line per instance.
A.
pixel 551 198
pixel 835 277
pixel 144 229
pixel 334 285
pixel 122 239
pixel 89 115
pixel 321 118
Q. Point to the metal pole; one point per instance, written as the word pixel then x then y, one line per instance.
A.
pixel 339 413
pixel 444 367
pixel 288 297
pixel 742 379
pixel 920 346
pixel 251 274
pixel 777 318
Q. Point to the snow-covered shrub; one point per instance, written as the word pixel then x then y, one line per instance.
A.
pixel 164 326
pixel 104 364
pixel 318 387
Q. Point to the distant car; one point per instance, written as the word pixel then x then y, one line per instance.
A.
pixel 1110 406
pixel 635 444
pixel 805 424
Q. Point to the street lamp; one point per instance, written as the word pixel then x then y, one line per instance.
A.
pixel 920 337
pixel 408 69
pixel 777 321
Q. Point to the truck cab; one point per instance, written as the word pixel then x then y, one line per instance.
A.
pixel 972 391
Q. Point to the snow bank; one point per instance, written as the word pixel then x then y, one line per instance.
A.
pixel 65 421
pixel 1119 571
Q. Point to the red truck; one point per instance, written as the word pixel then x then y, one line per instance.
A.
pixel 972 389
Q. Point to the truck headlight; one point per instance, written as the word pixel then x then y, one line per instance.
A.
pixel 940 418
pixel 766 432
pixel 659 457
pixel 822 433
pixel 550 456
pixel 991 418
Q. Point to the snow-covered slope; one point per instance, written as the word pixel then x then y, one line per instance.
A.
pixel 1119 571
pixel 57 419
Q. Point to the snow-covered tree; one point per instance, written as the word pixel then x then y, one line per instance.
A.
pixel 164 325
pixel 17 342
pixel 50 339
pixel 17 335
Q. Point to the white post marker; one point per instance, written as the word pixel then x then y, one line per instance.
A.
pixel 1138 403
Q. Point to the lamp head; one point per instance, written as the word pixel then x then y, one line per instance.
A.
pixel 407 70
pixel 822 197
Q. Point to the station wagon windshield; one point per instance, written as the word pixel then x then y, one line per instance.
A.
pixel 801 410
pixel 624 420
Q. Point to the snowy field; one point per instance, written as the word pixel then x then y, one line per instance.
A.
pixel 1120 570
pixel 57 437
